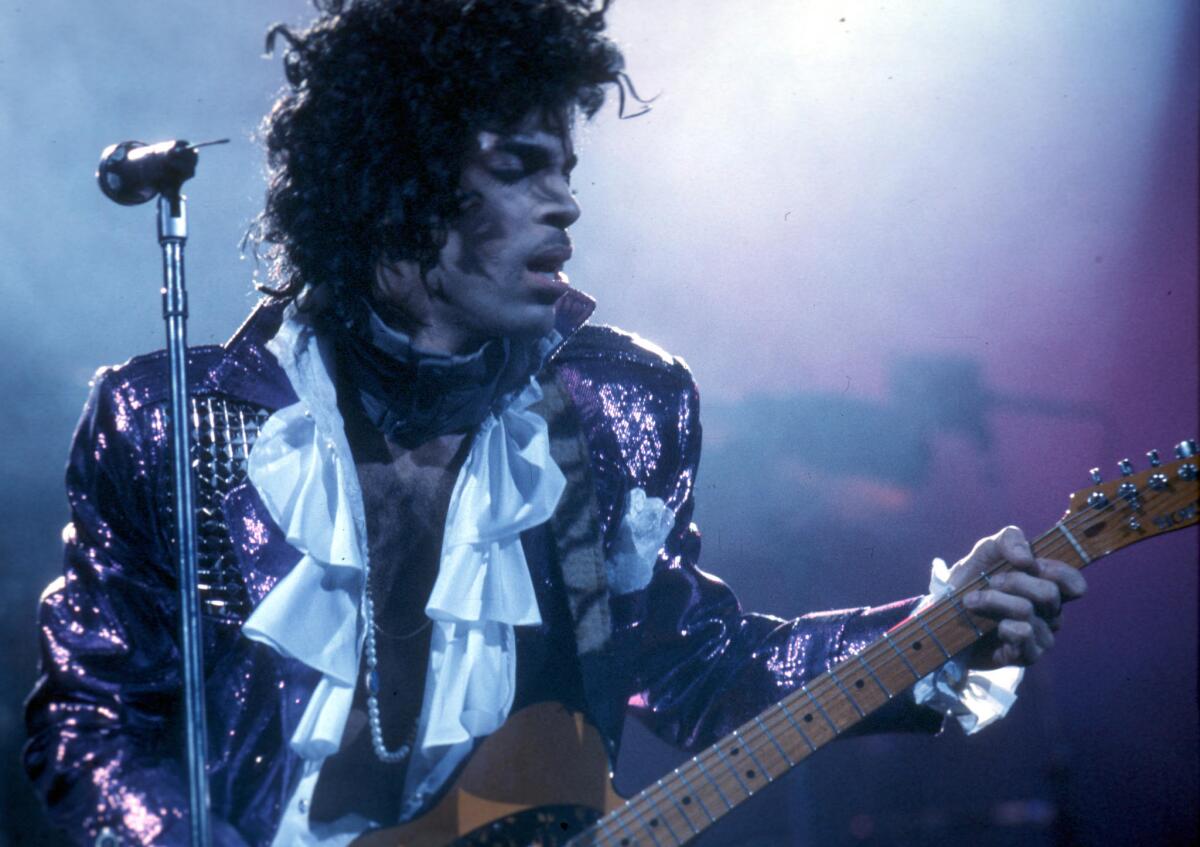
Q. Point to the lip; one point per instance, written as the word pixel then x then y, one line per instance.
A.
pixel 543 270
pixel 554 255
pixel 547 286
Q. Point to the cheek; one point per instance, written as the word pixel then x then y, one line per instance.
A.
pixel 486 233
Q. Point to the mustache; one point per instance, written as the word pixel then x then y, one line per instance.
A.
pixel 554 250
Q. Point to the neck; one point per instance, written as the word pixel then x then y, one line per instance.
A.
pixel 427 333
pixel 446 340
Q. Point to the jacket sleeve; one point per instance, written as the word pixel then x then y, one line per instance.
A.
pixel 104 718
pixel 705 666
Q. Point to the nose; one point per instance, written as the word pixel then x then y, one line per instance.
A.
pixel 560 208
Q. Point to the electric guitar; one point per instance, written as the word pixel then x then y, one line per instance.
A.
pixel 542 779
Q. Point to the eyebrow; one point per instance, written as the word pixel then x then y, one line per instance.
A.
pixel 538 155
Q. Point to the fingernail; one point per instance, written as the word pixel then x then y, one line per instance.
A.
pixel 972 599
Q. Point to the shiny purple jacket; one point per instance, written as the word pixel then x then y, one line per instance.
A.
pixel 104 719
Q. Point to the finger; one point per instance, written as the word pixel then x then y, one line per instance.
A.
pixel 999 605
pixel 1071 583
pixel 1043 633
pixel 1043 593
pixel 1019 642
pixel 1015 550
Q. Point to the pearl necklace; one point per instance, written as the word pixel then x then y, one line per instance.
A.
pixel 401 753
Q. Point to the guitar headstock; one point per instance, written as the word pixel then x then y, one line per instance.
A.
pixel 1135 506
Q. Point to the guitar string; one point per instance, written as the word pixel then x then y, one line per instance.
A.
pixel 934 615
pixel 882 666
pixel 647 802
pixel 1054 545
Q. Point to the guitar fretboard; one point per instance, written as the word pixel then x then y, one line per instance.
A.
pixel 697 794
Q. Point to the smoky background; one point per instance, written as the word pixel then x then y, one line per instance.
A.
pixel 929 262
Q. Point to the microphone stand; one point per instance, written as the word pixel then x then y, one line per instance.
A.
pixel 131 173
pixel 172 235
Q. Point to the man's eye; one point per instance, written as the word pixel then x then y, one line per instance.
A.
pixel 509 174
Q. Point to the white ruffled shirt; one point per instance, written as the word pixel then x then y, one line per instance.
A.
pixel 303 470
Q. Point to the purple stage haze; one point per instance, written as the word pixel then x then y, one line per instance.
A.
pixel 928 262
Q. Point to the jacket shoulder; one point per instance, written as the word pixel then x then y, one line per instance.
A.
pixel 144 379
pixel 613 346
pixel 640 412
pixel 241 368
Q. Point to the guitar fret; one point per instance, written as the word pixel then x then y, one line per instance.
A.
pixel 644 821
pixel 692 793
pixel 682 813
pixel 660 817
pixel 713 782
pixel 795 725
pixel 733 769
pixel 750 752
pixel 645 826
pixel 871 672
pixel 962 613
pixel 900 653
pixel 821 709
pixel 846 693
pixel 782 753
pixel 933 637
pixel 631 836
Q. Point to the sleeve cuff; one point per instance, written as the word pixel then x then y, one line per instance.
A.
pixel 975 699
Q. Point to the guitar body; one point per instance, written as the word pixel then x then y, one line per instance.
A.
pixel 540 779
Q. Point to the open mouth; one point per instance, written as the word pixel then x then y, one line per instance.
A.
pixel 545 266
pixel 545 271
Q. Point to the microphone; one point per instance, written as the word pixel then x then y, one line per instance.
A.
pixel 132 172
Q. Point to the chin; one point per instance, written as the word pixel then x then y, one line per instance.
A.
pixel 532 323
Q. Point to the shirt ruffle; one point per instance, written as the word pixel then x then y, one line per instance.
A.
pixel 640 538
pixel 508 484
pixel 303 470
pixel 977 701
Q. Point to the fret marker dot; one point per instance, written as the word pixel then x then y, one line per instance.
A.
pixel 686 801
pixel 750 774
pixel 808 718
pixel 916 645
pixel 624 842
pixel 733 752
pixel 653 821
pixel 858 683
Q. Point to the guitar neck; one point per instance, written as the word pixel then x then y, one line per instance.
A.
pixel 700 792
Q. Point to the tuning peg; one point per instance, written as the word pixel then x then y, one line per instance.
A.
pixel 1125 466
pixel 1186 449
pixel 1154 460
pixel 1095 472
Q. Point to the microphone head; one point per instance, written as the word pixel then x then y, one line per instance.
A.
pixel 132 172
pixel 110 174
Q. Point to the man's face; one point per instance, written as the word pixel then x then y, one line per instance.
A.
pixel 500 272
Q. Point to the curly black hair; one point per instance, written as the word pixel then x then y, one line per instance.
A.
pixel 383 104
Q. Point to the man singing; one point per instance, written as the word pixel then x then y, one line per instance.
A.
pixel 430 493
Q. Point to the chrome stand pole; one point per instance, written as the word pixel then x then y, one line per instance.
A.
pixel 172 234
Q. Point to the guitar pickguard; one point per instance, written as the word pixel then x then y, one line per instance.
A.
pixel 544 826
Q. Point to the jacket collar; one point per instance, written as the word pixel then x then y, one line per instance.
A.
pixel 249 371
pixel 246 369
